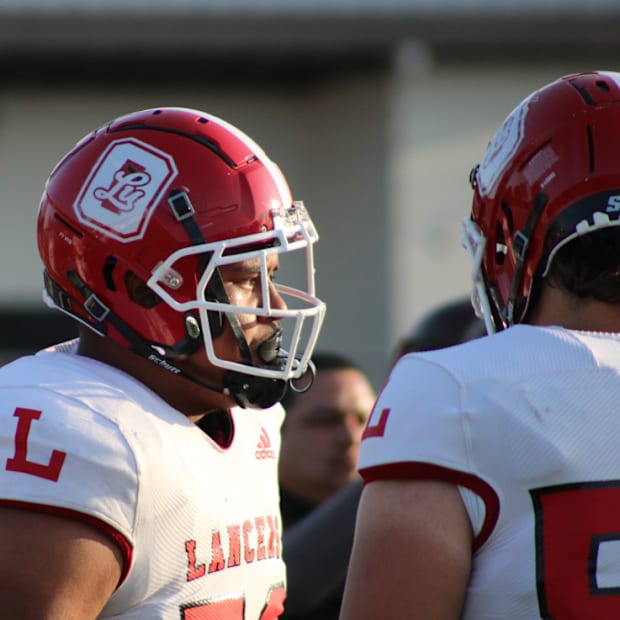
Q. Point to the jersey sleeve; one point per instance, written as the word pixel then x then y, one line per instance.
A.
pixel 57 454
pixel 420 428
pixel 417 417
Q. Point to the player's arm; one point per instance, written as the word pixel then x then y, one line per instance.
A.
pixel 54 568
pixel 411 554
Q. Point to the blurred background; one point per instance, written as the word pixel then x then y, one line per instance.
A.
pixel 376 110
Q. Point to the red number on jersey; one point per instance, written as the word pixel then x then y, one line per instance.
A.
pixel 20 462
pixel 275 604
pixel 577 536
pixel 228 609
pixel 232 608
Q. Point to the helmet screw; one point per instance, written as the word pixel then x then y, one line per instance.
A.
pixel 192 327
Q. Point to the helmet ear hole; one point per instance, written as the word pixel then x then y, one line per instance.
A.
pixel 108 270
pixel 139 292
pixel 507 211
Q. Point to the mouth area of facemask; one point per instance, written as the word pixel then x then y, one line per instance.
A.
pixel 270 351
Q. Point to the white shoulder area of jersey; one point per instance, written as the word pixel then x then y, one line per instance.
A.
pixel 59 369
pixel 603 346
pixel 510 355
pixel 421 399
pixel 91 434
pixel 274 413
pixel 432 400
pixel 261 421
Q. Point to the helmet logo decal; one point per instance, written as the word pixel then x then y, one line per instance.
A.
pixel 502 148
pixel 123 189
pixel 121 195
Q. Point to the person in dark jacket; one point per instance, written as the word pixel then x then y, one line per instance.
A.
pixel 319 485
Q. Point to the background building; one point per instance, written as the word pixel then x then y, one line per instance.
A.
pixel 375 111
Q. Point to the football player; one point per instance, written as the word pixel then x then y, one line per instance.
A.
pixel 139 462
pixel 492 469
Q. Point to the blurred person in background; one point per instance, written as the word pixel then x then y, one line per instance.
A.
pixel 450 323
pixel 319 483
pixel 491 468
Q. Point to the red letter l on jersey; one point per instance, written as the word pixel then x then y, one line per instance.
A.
pixel 20 461
pixel 378 429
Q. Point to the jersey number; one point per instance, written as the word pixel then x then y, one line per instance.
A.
pixel 232 608
pixel 575 524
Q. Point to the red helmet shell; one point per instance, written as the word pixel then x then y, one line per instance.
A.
pixel 560 146
pixel 105 210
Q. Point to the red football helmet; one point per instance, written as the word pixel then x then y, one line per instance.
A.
pixel 169 195
pixel 549 174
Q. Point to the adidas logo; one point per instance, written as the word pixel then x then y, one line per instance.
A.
pixel 263 449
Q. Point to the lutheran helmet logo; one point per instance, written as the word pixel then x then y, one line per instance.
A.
pixel 502 148
pixel 123 189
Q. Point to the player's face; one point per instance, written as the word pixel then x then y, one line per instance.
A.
pixel 243 285
pixel 322 433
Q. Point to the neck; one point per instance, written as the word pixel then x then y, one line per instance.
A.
pixel 555 306
pixel 180 393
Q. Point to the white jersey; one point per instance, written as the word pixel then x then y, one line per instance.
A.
pixel 199 523
pixel 528 421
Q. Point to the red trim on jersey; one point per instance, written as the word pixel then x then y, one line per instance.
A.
pixel 124 545
pixel 415 469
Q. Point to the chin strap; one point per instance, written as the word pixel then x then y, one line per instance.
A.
pixel 515 304
pixel 252 392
